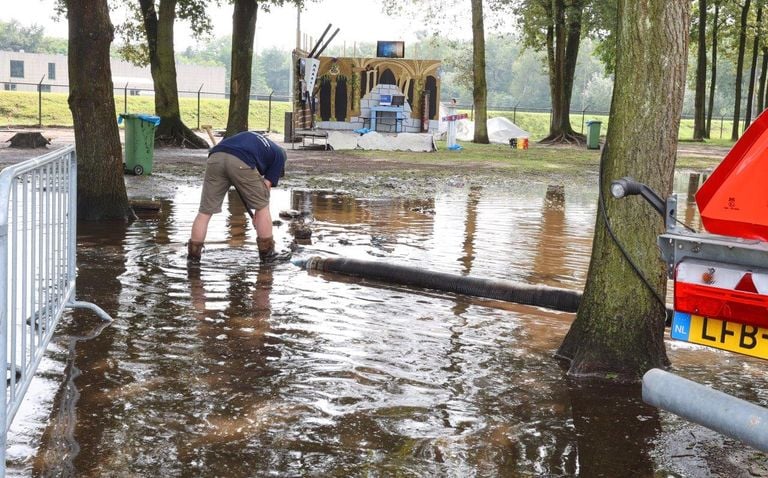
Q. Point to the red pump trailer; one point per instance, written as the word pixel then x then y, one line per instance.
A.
pixel 721 276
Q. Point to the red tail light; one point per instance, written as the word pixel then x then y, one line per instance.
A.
pixel 722 291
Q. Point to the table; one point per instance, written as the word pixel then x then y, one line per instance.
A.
pixel 312 134
pixel 399 115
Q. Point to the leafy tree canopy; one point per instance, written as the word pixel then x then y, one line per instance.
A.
pixel 31 39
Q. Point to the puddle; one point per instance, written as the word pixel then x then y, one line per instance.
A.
pixel 242 370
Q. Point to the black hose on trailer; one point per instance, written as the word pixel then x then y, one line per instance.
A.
pixel 537 295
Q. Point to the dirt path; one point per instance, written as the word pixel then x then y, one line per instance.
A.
pixel 315 165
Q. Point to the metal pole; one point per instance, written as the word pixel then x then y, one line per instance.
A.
pixel 298 27
pixel 293 57
pixel 711 408
pixel 125 98
pixel 198 105
pixel 325 45
pixel 269 112
pixel 582 119
pixel 40 103
pixel 3 343
pixel 721 126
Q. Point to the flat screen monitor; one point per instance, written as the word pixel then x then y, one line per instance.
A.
pixel 390 49
pixel 385 100
pixel 398 100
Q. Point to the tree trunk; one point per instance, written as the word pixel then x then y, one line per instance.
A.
pixel 101 190
pixel 713 73
pixel 563 40
pixel 699 115
pixel 480 88
pixel 618 333
pixel 159 28
pixel 739 70
pixel 761 82
pixel 243 33
pixel 753 68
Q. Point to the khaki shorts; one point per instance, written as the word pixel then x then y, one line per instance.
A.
pixel 223 170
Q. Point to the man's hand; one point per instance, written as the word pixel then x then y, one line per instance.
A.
pixel 268 183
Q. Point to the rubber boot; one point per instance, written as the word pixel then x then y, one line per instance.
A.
pixel 267 253
pixel 194 251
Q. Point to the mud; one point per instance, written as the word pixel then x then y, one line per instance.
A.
pixel 363 175
pixel 238 370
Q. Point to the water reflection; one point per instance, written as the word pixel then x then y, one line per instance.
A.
pixel 234 365
pixel 73 443
pixel 615 430
pixel 548 268
pixel 470 229
pixel 234 369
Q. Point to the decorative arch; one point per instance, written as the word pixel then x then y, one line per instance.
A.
pixel 325 98
pixel 387 78
pixel 340 105
pixel 430 85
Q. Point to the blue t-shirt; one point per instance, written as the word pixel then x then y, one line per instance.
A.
pixel 257 152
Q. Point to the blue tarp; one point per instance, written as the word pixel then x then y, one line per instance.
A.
pixel 155 120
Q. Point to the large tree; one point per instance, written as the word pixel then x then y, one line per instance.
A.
pixel 435 11
pixel 15 37
pixel 618 333
pixel 743 26
pixel 275 66
pixel 243 33
pixel 149 40
pixel 753 65
pixel 713 71
pixel 699 114
pixel 762 80
pixel 101 190
pixel 556 26
pixel 480 87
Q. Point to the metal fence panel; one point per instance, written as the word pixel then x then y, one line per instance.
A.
pixel 38 200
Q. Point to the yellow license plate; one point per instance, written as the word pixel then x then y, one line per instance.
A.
pixel 741 338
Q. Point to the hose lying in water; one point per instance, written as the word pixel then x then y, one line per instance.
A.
pixel 537 295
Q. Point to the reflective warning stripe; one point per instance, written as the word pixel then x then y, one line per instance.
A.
pixel 720 275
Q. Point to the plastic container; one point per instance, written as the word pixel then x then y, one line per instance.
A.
pixel 593 134
pixel 139 142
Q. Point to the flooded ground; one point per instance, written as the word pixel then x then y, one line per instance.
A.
pixel 237 369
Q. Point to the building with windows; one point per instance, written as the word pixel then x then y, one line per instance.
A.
pixel 20 71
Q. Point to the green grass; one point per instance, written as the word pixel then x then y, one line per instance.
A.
pixel 536 159
pixel 21 109
pixel 538 125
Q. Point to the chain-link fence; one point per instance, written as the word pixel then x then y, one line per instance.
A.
pixel 41 105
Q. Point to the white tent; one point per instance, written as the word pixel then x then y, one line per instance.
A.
pixel 500 130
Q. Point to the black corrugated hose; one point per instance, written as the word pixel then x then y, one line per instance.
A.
pixel 542 296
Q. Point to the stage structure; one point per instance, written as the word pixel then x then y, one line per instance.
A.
pixel 386 94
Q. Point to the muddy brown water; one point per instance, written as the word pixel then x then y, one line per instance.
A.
pixel 236 369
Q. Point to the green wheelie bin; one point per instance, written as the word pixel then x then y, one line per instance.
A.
pixel 593 134
pixel 139 142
